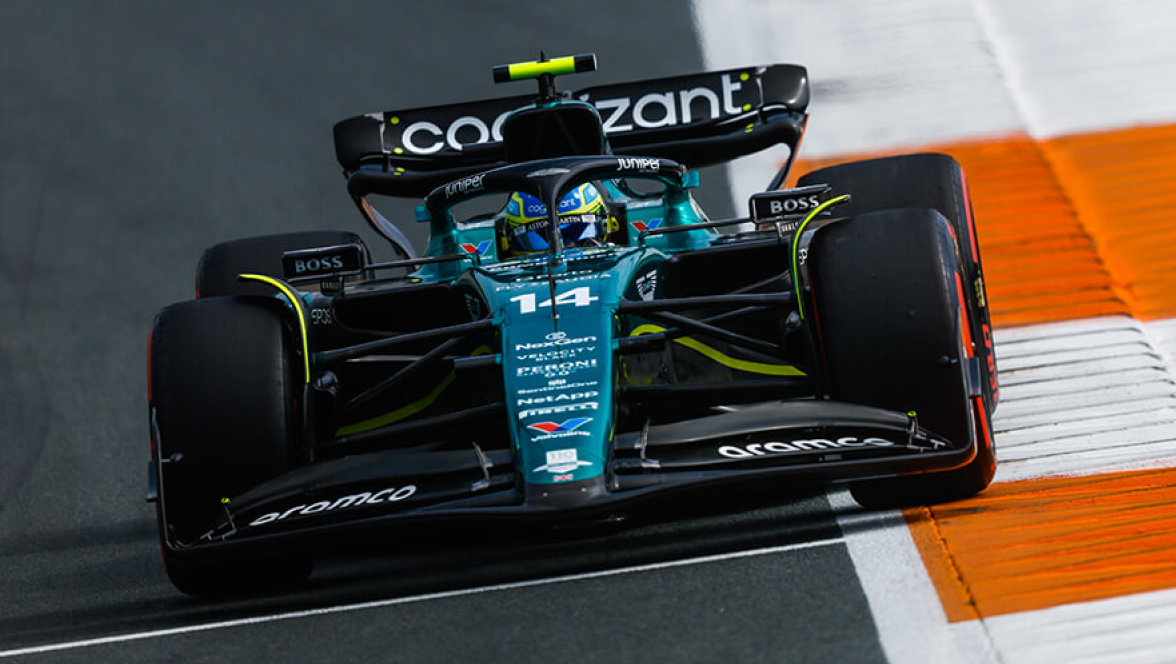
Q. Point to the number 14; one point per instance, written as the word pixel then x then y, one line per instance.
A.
pixel 577 297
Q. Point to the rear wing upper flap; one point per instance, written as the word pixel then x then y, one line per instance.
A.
pixel 697 119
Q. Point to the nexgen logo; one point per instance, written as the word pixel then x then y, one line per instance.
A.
pixel 798 446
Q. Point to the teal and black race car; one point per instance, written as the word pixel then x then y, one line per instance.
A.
pixel 577 336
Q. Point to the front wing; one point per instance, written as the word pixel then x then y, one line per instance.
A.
pixel 798 443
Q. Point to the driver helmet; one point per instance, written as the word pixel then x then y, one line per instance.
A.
pixel 583 219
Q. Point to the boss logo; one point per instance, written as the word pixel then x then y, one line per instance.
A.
pixel 337 260
pixel 789 205
pixel 324 264
pixel 779 204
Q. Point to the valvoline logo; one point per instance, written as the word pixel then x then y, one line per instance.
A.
pixel 477 249
pixel 642 226
pixel 566 425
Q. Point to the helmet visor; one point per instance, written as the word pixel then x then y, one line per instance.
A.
pixel 573 230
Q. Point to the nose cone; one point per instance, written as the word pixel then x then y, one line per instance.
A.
pixel 566 495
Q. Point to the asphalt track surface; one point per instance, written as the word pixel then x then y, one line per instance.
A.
pixel 133 135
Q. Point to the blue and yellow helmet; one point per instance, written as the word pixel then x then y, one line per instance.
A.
pixel 583 219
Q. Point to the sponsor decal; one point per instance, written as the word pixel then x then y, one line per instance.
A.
pixel 324 264
pixel 321 316
pixel 557 369
pixel 563 478
pixel 666 109
pixel 346 259
pixel 645 164
pixel 646 285
pixel 562 461
pixel 389 495
pixel 560 385
pixel 575 396
pixel 773 205
pixel 544 172
pixel 473 304
pixel 464 185
pixel 643 226
pixel 566 425
pixel 555 340
pixel 478 249
pixel 772 448
pixel 707 99
pixel 558 410
pixel 553 355
pixel 527 281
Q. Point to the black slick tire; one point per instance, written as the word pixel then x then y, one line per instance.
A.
pixel 894 334
pixel 216 273
pixel 926 180
pixel 222 389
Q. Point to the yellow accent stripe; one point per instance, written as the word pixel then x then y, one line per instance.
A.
pixel 401 413
pixel 294 302
pixel 522 70
pixel 796 247
pixel 722 358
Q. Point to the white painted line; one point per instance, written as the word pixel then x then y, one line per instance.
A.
pixel 363 606
pixel 911 624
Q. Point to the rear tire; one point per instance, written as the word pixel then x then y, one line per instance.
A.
pixel 216 274
pixel 888 309
pixel 222 392
pixel 928 180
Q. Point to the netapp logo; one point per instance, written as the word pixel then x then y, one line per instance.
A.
pixel 797 446
pixel 389 495
pixel 326 263
pixel 575 396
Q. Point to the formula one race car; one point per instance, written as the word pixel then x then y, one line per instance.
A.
pixel 577 336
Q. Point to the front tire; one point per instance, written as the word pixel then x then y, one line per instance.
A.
pixel 895 335
pixel 222 392
pixel 927 180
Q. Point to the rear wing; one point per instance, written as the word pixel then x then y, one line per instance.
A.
pixel 697 120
